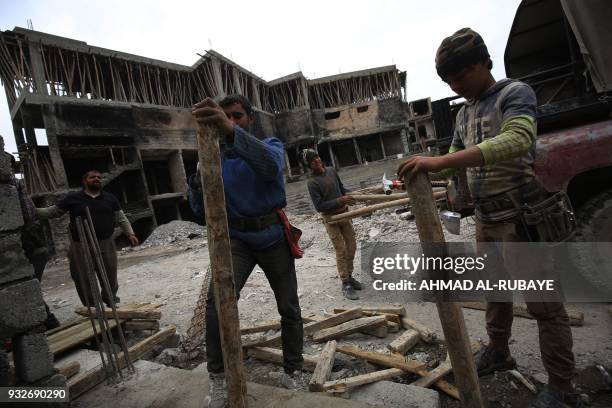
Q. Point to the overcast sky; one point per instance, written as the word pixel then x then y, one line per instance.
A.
pixel 274 38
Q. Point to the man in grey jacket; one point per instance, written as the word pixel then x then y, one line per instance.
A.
pixel 329 198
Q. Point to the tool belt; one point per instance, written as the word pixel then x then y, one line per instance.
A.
pixel 546 217
pixel 254 223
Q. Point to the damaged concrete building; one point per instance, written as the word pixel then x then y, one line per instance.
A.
pixel 129 116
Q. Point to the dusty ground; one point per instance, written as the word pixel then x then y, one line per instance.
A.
pixel 173 273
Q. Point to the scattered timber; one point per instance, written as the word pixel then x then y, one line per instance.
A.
pixel 347 328
pixel 429 228
pixel 427 335
pixel 351 382
pixel 273 355
pixel 324 367
pixel 575 318
pixel 405 342
pixel 85 381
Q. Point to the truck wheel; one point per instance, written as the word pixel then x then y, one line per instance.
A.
pixel 594 221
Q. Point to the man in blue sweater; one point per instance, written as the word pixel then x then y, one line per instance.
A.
pixel 252 172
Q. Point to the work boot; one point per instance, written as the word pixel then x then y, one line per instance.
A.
pixel 293 381
pixel 490 359
pixel 217 395
pixel 348 291
pixel 551 398
pixel 355 283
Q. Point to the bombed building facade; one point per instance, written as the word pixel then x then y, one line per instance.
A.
pixel 129 116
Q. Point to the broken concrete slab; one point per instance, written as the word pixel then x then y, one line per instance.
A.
pixel 10 210
pixel 33 360
pixel 13 263
pixel 391 394
pixel 21 307
pixel 165 387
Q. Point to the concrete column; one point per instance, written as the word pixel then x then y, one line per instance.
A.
pixel 216 65
pixel 404 140
pixel 57 163
pixel 237 85
pixel 382 145
pixel 178 178
pixel 37 67
pixel 287 163
pixel 357 152
pixel 26 123
pixel 331 155
pixel 255 92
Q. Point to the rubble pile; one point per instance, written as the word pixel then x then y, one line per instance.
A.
pixel 174 231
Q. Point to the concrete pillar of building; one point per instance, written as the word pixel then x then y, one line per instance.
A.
pixel 287 164
pixel 57 163
pixel 382 146
pixel 216 66
pixel 357 152
pixel 178 178
pixel 255 92
pixel 37 68
pixel 331 156
pixel 237 84
pixel 404 140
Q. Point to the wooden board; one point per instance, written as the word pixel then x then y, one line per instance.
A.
pixel 575 318
pixel 387 360
pixel 351 382
pixel 273 355
pixel 390 317
pixel 69 370
pixel 261 327
pixel 122 313
pixel 405 342
pixel 324 367
pixel 311 327
pixel 76 334
pixel 139 325
pixel 347 328
pixel 85 381
pixel 427 335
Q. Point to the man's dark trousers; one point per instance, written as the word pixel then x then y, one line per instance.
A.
pixel 279 266
pixel 78 271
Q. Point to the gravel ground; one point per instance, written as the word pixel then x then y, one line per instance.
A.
pixel 171 271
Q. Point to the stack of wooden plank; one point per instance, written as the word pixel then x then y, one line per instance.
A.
pixel 132 317
pixel 332 327
pixel 139 316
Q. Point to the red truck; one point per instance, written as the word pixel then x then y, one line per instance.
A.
pixel 561 48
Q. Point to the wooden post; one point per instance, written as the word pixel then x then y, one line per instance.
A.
pixel 221 264
pixel 451 315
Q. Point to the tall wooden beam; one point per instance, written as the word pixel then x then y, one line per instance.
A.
pixel 451 315
pixel 221 264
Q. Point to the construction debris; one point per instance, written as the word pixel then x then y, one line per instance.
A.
pixel 174 231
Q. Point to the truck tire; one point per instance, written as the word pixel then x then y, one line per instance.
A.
pixel 594 224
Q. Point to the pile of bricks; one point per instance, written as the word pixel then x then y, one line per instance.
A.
pixel 22 311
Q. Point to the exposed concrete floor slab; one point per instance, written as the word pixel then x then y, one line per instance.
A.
pixel 159 386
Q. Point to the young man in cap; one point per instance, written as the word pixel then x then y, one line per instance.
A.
pixel 254 189
pixel 329 197
pixel 494 140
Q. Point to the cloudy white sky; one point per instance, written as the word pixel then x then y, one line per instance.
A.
pixel 274 38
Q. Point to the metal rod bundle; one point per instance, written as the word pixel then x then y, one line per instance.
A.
pixel 93 265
